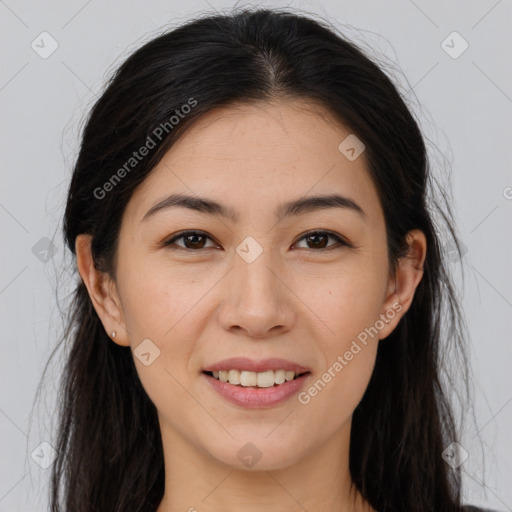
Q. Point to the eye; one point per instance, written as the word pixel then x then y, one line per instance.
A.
pixel 192 240
pixel 196 240
pixel 318 239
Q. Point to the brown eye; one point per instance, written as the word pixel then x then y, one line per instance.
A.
pixel 197 240
pixel 192 240
pixel 319 239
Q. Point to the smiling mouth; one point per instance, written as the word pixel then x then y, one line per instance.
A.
pixel 255 380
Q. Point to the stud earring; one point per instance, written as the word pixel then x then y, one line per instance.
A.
pixel 113 335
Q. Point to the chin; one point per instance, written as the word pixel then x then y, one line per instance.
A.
pixel 258 453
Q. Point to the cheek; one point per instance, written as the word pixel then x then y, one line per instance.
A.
pixel 351 300
pixel 159 300
pixel 166 307
pixel 161 317
pixel 335 393
pixel 348 356
pixel 351 308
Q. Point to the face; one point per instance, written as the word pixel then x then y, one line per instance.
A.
pixel 252 282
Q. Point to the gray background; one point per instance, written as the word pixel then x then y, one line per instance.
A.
pixel 464 105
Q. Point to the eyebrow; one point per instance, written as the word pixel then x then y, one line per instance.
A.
pixel 297 207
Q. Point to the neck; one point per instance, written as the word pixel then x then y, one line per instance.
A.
pixel 318 481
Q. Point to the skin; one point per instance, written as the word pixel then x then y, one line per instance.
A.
pixel 297 300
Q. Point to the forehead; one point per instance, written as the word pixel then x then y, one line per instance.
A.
pixel 253 156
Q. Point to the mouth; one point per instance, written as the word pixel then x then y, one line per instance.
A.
pixel 256 380
pixel 256 390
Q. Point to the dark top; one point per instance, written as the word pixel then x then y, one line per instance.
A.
pixel 471 508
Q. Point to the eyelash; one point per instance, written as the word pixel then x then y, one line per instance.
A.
pixel 183 234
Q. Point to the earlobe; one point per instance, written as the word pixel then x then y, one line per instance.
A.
pixel 102 291
pixel 408 275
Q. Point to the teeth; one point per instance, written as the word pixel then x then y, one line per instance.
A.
pixel 234 377
pixel 247 378
pixel 265 379
pixel 260 379
pixel 279 376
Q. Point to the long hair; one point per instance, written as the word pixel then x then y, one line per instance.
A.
pixel 110 455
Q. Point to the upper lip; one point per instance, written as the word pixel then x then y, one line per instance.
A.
pixel 243 363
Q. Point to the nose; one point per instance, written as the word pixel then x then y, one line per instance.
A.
pixel 258 302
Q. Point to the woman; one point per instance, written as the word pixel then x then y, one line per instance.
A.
pixel 258 316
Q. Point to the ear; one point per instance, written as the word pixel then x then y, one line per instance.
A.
pixel 402 285
pixel 102 291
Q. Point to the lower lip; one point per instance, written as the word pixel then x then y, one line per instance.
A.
pixel 257 398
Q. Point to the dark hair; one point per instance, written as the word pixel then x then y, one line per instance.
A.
pixel 109 444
